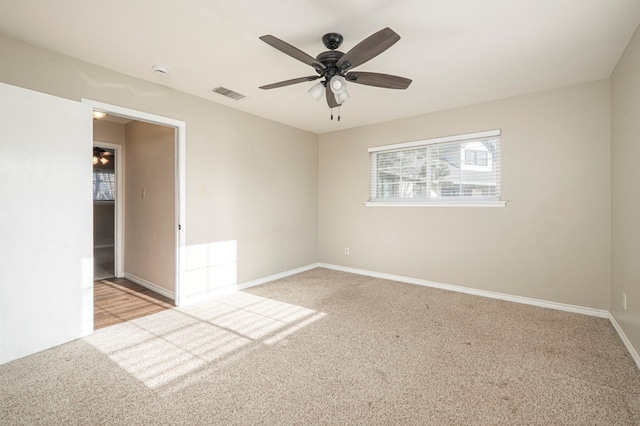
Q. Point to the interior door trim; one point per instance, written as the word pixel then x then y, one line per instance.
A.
pixel 180 134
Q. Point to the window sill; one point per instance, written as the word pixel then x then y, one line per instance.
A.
pixel 436 204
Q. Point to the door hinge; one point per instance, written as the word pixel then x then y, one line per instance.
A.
pixel 179 227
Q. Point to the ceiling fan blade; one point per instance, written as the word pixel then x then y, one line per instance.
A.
pixel 292 51
pixel 368 48
pixel 331 98
pixel 290 82
pixel 386 81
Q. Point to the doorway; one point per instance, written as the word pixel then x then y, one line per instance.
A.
pixel 148 188
pixel 106 175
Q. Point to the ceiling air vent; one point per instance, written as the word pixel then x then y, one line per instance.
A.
pixel 228 93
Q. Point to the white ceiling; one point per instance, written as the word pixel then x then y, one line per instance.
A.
pixel 457 52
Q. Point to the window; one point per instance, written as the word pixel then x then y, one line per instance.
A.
pixel 474 157
pixel 455 169
pixel 104 185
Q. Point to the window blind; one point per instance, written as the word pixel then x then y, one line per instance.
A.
pixel 104 185
pixel 456 168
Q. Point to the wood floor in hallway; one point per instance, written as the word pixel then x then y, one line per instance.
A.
pixel 118 300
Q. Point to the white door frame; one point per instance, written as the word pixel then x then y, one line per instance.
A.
pixel 180 134
pixel 118 207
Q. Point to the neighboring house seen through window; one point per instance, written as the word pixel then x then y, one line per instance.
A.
pixel 463 168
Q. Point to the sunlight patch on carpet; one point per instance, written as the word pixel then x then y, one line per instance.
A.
pixel 172 346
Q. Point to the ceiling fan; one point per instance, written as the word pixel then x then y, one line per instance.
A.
pixel 100 155
pixel 335 67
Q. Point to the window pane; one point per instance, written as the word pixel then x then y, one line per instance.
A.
pixel 481 158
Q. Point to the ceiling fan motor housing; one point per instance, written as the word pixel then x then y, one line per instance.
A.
pixel 329 60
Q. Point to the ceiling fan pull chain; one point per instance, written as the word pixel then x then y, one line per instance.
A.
pixel 331 113
pixel 338 113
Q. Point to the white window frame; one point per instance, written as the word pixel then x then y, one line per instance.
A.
pixel 440 202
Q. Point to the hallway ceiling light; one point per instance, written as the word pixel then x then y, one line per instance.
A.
pixel 99 114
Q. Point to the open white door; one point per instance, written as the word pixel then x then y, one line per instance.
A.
pixel 46 270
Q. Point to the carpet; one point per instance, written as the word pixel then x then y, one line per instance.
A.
pixel 327 347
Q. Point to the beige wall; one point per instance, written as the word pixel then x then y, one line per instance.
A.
pixel 108 131
pixel 249 181
pixel 150 220
pixel 550 242
pixel 625 203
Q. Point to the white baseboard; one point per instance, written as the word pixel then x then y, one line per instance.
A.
pixel 625 340
pixel 190 300
pixel 484 293
pixel 151 286
pixel 277 276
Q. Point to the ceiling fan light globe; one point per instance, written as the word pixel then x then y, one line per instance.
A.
pixel 338 85
pixel 343 97
pixel 317 91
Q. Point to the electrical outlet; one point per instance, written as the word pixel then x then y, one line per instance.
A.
pixel 144 192
pixel 346 251
pixel 624 301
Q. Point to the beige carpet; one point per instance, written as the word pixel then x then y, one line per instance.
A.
pixel 326 347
